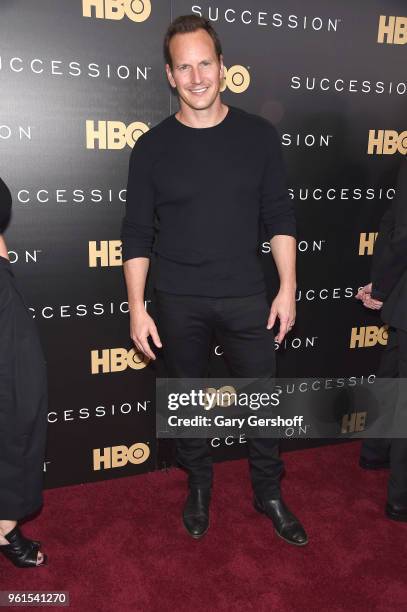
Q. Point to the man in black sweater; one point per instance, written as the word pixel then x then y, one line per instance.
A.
pixel 205 178
pixel 388 292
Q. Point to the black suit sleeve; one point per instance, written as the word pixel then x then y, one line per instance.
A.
pixel 390 252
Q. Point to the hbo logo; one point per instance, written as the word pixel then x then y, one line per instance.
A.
pixel 117 360
pixel 136 10
pixel 387 142
pixel 392 30
pixel 119 456
pixel 113 134
pixel 237 79
pixel 368 336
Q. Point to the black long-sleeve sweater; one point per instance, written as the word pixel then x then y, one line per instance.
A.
pixel 196 198
pixel 390 253
pixel 5 206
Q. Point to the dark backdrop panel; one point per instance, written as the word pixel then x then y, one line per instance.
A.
pixel 68 196
pixel 315 69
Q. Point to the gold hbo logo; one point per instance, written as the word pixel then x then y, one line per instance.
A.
pixel 387 142
pixel 366 243
pixel 368 336
pixel 113 134
pixel 117 360
pixel 119 456
pixel 392 30
pixel 105 253
pixel 353 422
pixel 136 10
pixel 236 78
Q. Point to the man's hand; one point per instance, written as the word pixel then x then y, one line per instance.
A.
pixel 371 303
pixel 283 307
pixel 365 295
pixel 364 292
pixel 142 326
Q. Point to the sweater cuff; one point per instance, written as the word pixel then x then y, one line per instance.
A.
pixel 280 229
pixel 378 295
pixel 131 252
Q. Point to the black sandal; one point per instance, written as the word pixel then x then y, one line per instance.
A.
pixel 21 551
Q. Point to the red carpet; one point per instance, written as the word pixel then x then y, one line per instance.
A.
pixel 120 545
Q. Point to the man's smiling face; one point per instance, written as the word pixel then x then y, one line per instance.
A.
pixel 196 70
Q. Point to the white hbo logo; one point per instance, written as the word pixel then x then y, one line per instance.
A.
pixel 236 78
pixel 136 10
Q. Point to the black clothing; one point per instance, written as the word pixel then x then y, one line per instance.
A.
pixel 210 188
pixel 206 192
pixel 5 206
pixel 393 364
pixel 186 326
pixel 389 265
pixel 23 404
pixel 389 285
pixel 23 395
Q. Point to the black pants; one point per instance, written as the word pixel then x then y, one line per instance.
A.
pixel 393 364
pixel 23 404
pixel 186 325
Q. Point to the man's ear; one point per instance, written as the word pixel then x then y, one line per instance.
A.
pixel 169 75
pixel 221 70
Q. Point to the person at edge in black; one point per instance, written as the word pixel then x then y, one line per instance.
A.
pixel 23 413
pixel 211 173
pixel 388 292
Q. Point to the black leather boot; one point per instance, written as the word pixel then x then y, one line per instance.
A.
pixel 196 512
pixel 396 512
pixel 373 464
pixel 286 525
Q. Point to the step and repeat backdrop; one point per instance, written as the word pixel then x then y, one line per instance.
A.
pixel 80 81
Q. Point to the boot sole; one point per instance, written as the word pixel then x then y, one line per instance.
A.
pixel 195 537
pixel 401 518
